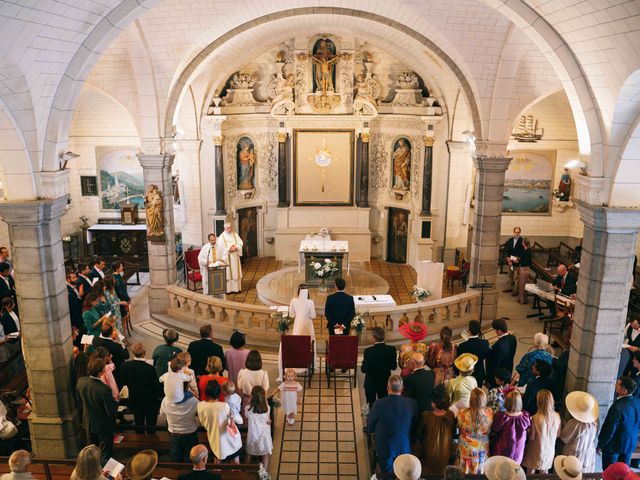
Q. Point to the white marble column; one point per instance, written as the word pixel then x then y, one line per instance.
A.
pixel 162 255
pixel 485 241
pixel 608 249
pixel 188 162
pixel 38 260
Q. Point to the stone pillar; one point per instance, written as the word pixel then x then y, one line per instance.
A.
pixel 188 164
pixel 283 170
pixel 363 200
pixel 427 174
pixel 606 263
pixel 156 169
pixel 38 259
pixel 219 175
pixel 486 236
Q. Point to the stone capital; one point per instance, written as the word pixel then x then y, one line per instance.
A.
pixel 491 164
pixel 54 184
pixel 591 190
pixel 487 148
pixel 609 219
pixel 33 213
pixel 151 146
pixel 365 137
pixel 428 141
pixel 459 147
pixel 156 162
pixel 282 137
pixel 218 140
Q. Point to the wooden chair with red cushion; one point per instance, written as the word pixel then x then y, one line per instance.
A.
pixel 342 353
pixel 193 268
pixel 297 352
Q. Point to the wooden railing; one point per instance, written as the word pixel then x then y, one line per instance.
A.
pixel 255 320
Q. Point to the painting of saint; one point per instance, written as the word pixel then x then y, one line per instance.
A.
pixel 246 164
pixel 401 161
pixel 248 230
pixel 324 60
pixel 397 235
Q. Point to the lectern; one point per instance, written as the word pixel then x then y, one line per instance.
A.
pixel 217 280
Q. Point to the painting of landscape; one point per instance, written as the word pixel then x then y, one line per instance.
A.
pixel 120 177
pixel 527 183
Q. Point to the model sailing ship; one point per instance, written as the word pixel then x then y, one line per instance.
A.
pixel 527 130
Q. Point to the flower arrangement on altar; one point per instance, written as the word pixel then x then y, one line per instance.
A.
pixel 420 293
pixel 283 321
pixel 358 322
pixel 323 269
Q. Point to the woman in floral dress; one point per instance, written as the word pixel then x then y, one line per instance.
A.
pixel 113 301
pixel 475 424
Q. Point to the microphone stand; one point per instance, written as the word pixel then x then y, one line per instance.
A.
pixel 482 287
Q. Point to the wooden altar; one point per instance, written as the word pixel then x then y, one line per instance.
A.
pixel 120 242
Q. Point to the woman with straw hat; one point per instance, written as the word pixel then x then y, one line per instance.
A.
pixel 503 468
pixel 569 468
pixel 460 388
pixel 580 432
pixel 415 332
pixel 142 465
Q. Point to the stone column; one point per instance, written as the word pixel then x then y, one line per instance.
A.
pixel 36 247
pixel 219 175
pixel 427 174
pixel 608 249
pixel 363 200
pixel 156 169
pixel 188 163
pixel 486 236
pixel 283 170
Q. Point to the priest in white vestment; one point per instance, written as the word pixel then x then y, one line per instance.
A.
pixel 229 249
pixel 208 258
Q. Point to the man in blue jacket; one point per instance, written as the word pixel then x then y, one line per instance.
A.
pixel 392 419
pixel 619 435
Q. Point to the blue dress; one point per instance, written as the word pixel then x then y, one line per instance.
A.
pixel 527 361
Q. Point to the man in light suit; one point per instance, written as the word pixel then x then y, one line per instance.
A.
pixel 392 419
pixel 98 409
pixel 339 309
pixel 513 248
pixel 378 363
pixel 619 435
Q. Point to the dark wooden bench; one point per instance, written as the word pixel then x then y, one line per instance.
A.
pixel 53 469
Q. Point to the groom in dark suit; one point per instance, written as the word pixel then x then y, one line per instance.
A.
pixel 339 309
pixel 378 363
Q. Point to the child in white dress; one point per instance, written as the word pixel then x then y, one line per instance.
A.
pixel 233 400
pixel 259 441
pixel 289 395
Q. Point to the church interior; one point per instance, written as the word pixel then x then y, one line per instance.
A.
pixel 209 168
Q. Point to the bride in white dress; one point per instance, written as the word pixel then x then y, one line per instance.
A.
pixel 303 311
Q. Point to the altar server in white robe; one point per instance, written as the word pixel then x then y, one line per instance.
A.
pixel 303 311
pixel 208 258
pixel 229 249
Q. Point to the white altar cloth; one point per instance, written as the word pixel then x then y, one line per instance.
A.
pixel 367 302
pixel 113 226
pixel 323 246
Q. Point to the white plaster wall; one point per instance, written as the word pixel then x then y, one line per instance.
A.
pixel 98 121
pixel 554 115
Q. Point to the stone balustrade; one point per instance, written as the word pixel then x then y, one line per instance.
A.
pixel 196 309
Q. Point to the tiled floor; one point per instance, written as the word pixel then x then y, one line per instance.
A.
pixel 322 442
pixel 401 279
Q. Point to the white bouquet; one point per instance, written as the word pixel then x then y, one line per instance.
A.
pixel 420 293
pixel 323 269
pixel 358 322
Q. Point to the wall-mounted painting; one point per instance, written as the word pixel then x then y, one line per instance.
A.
pixel 401 164
pixel 246 164
pixel 120 177
pixel 528 183
pixel 248 231
pixel 323 167
pixel 397 235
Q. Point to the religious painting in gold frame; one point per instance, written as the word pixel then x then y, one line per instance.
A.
pixel 323 167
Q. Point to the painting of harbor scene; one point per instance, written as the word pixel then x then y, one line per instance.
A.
pixel 119 177
pixel 527 183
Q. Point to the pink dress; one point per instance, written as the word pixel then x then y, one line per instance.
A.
pixel 236 360
pixel 109 380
